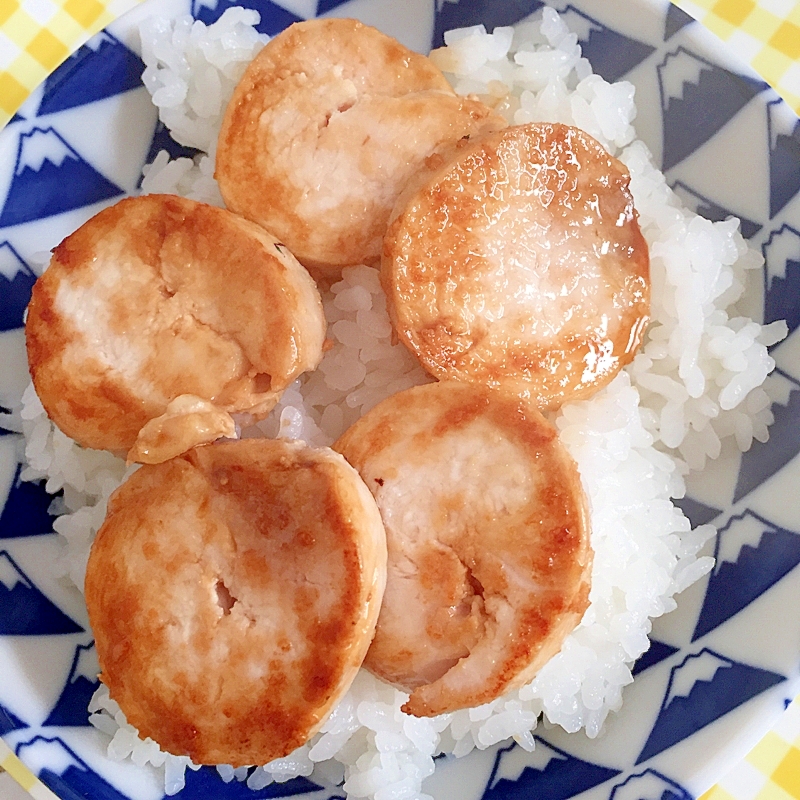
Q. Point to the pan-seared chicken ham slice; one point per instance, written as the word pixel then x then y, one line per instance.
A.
pixel 488 541
pixel 328 123
pixel 158 298
pixel 518 261
pixel 233 593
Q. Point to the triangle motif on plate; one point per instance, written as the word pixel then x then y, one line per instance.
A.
pixel 66 773
pixel 102 68
pixel 274 18
pixel 611 53
pixel 677 19
pixel 752 554
pixel 710 210
pixel 696 512
pixel 16 282
pixel 782 276
pixel 698 98
pixel 6 428
pixel 702 688
pixel 784 155
pixel 489 13
pixel 323 6
pixel 9 722
pixel 546 772
pixel 162 140
pixel 207 783
pixel 655 654
pixel 71 709
pixel 764 459
pixel 24 610
pixel 26 510
pixel 50 177
pixel 649 785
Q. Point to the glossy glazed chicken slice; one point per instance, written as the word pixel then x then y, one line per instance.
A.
pixel 518 261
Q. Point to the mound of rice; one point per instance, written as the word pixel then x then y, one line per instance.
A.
pixel 694 384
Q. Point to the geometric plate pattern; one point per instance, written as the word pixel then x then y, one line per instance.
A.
pixel 784 150
pixel 24 609
pixel 676 20
pixel 752 554
pixel 490 15
pixel 207 783
pixel 274 18
pixel 51 177
pixel 656 653
pixel 782 279
pixel 612 54
pixel 16 282
pixel 698 99
pixel 65 772
pixel 694 100
pixel 162 140
pixel 710 210
pixel 696 512
pixel 702 688
pixel 26 511
pixel 649 785
pixel 102 68
pixel 547 772
pixel 9 722
pixel 764 459
pixel 71 708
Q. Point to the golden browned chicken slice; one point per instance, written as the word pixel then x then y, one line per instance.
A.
pixel 233 593
pixel 326 126
pixel 488 540
pixel 519 261
pixel 159 297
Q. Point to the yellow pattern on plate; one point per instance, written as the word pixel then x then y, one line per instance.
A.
pixel 766 34
pixel 771 770
pixel 37 35
pixel 17 770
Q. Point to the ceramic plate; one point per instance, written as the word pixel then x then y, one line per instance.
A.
pixel 720 668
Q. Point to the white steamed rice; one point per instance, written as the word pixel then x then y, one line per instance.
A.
pixel 696 383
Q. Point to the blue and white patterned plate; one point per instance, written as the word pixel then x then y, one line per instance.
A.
pixel 720 668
